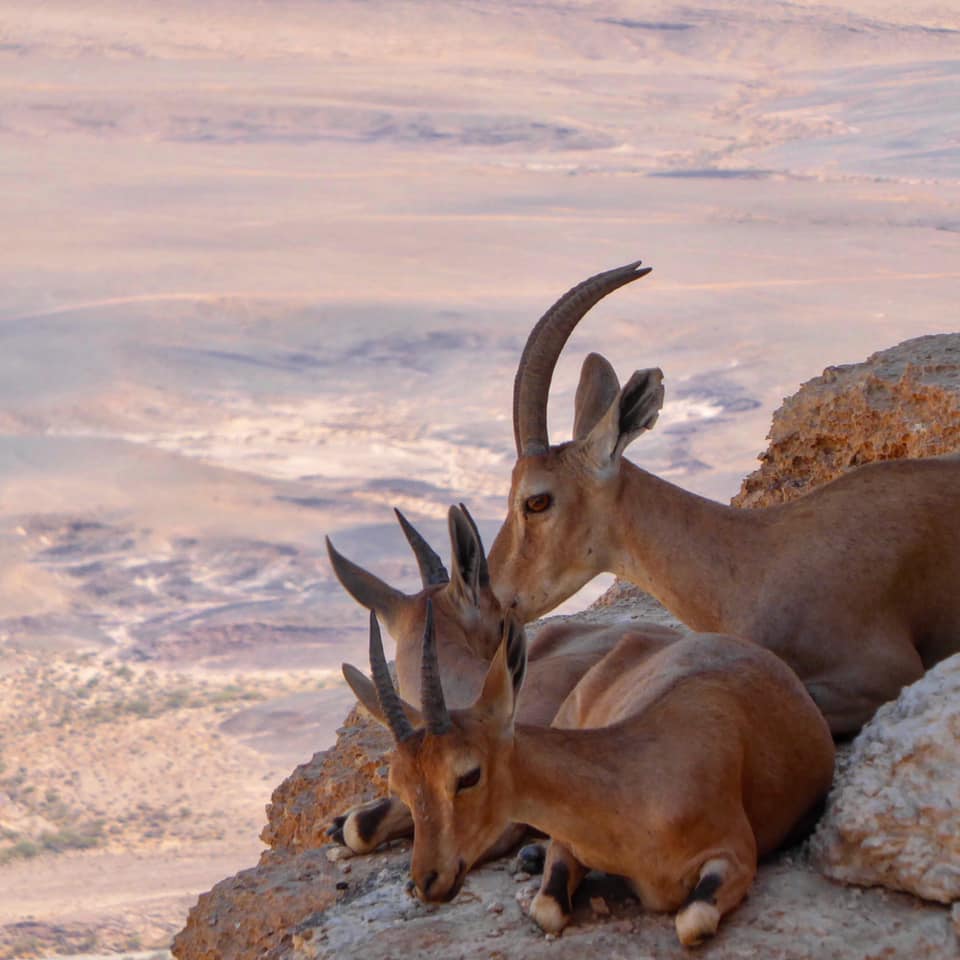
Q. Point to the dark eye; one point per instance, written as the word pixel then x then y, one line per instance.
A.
pixel 468 780
pixel 538 503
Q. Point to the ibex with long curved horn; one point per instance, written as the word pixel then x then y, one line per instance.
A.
pixel 673 765
pixel 855 585
pixel 468 621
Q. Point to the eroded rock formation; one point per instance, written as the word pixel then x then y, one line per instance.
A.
pixel 901 402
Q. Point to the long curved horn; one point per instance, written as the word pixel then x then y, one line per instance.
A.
pixel 432 570
pixel 390 704
pixel 431 693
pixel 532 383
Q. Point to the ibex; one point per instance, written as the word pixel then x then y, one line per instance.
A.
pixel 673 765
pixel 855 585
pixel 468 622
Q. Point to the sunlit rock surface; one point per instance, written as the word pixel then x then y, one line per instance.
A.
pixel 901 402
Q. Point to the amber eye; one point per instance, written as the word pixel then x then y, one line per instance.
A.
pixel 468 780
pixel 538 503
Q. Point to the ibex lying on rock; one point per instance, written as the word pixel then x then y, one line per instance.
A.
pixel 673 765
pixel 855 585
pixel 468 622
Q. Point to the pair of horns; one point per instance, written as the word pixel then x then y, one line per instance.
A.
pixel 544 345
pixel 435 711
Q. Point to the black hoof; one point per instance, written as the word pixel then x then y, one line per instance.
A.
pixel 530 858
pixel 335 830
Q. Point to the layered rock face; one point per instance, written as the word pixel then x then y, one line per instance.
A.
pixel 888 822
pixel 893 816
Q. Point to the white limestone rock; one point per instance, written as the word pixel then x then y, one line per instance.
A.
pixel 893 815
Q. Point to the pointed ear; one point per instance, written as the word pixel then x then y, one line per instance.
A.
pixel 634 410
pixel 596 391
pixel 470 575
pixel 501 688
pixel 369 591
pixel 366 693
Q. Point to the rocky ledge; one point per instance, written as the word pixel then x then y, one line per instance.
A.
pixel 890 825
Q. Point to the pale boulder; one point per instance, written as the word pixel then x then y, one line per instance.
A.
pixel 893 815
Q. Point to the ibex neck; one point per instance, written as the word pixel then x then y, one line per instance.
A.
pixel 696 556
pixel 558 774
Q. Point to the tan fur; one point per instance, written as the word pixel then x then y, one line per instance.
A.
pixel 854 585
pixel 667 761
pixel 468 634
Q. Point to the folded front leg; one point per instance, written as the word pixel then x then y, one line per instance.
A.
pixel 364 827
pixel 722 883
pixel 562 873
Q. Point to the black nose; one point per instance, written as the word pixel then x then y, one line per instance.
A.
pixel 428 882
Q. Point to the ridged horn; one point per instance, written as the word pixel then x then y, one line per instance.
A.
pixel 390 704
pixel 535 371
pixel 431 693
pixel 432 570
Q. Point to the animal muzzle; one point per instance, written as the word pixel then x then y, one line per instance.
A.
pixel 434 887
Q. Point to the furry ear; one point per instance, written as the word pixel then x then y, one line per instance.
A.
pixel 366 693
pixel 596 391
pixel 501 687
pixel 634 410
pixel 369 591
pixel 470 575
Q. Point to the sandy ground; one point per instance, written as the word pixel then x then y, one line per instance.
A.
pixel 89 887
pixel 123 795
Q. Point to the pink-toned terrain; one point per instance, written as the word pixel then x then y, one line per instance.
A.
pixel 266 272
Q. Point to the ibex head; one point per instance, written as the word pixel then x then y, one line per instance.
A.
pixel 451 768
pixel 551 543
pixel 466 609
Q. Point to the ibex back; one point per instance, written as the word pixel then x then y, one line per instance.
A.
pixel 855 585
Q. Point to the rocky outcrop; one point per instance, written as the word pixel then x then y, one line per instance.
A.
pixel 253 914
pixel 351 772
pixel 893 817
pixel 249 915
pixel 792 913
pixel 298 904
pixel 901 402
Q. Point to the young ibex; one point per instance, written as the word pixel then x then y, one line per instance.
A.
pixel 468 621
pixel 855 585
pixel 674 765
